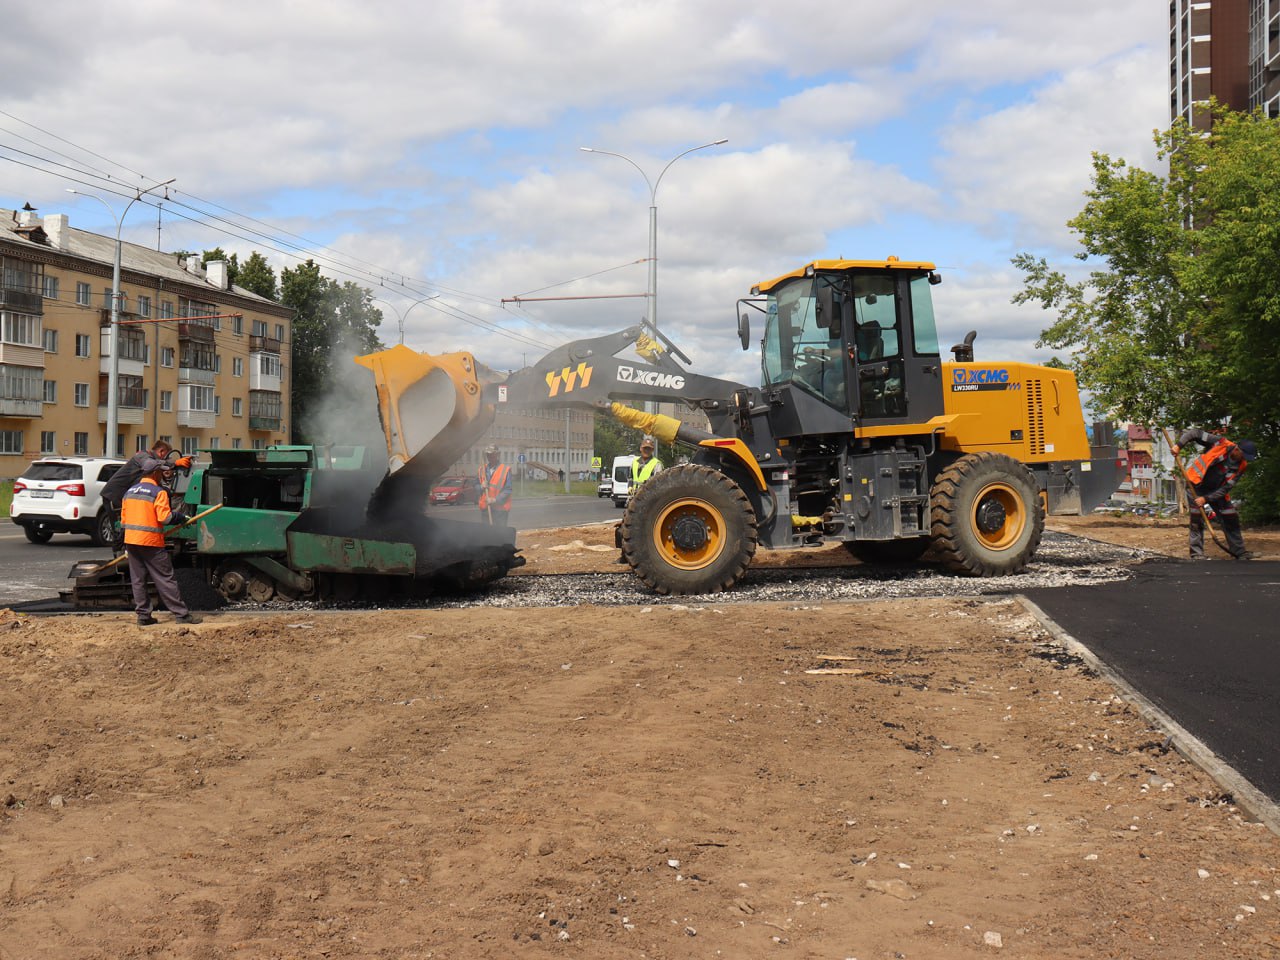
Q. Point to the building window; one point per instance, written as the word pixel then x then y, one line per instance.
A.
pixel 21 328
pixel 237 324
pixel 259 443
pixel 83 294
pixel 215 443
pixel 144 309
pixel 51 391
pixel 82 444
pixel 50 340
pixel 259 328
pixel 50 291
pixel 166 309
pixel 189 445
pixel 167 438
pixel 48 443
pixel 140 443
pixel 166 356
pixel 10 441
pixel 81 394
pixel 196 355
pixel 166 401
pixel 84 345
pixel 106 299
pixel 237 366
pixel 146 354
pixel 217 404
pixel 199 399
pixel 237 407
pixel 269 365
pixel 217 363
pixel 280 332
pixel 235 443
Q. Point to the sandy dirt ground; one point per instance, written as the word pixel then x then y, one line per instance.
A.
pixel 907 779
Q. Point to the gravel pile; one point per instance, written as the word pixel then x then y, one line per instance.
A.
pixel 1062 561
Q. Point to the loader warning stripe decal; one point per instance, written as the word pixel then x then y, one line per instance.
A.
pixel 568 378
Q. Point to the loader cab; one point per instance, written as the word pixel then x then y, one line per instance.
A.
pixel 858 336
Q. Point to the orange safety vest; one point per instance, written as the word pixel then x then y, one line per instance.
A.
pixel 491 486
pixel 1197 471
pixel 143 514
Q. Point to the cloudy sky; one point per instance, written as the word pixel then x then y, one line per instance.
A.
pixel 421 148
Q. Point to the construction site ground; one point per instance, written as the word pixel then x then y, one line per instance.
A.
pixel 927 778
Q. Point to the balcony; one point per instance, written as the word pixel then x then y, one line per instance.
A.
pixel 264 423
pixel 188 330
pixel 260 344
pixel 19 407
pixel 205 419
pixel 22 301
pixel 130 397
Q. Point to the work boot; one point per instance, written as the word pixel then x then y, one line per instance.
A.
pixel 1247 555
pixel 1198 556
pixel 189 618
pixel 147 621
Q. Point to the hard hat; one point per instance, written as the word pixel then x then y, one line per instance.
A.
pixel 490 449
pixel 646 442
pixel 1248 450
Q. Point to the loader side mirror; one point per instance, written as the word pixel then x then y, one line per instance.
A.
pixel 828 316
pixel 744 331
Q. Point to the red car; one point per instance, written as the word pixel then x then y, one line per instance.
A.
pixel 452 490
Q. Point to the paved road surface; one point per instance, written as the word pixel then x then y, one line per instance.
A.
pixel 1200 640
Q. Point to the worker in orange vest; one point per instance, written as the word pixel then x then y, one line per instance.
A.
pixel 495 489
pixel 144 511
pixel 1209 481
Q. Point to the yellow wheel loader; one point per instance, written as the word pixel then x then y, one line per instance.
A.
pixel 859 432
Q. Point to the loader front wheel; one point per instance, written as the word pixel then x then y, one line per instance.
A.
pixel 986 516
pixel 688 530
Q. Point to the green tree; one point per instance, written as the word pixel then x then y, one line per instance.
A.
pixel 256 276
pixel 332 397
pixel 1178 320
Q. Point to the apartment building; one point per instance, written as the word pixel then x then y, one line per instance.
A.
pixel 1227 49
pixel 201 363
pixel 538 442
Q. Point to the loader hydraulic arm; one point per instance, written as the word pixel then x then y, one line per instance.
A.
pixel 589 373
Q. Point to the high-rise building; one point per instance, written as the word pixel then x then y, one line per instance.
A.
pixel 1226 49
pixel 200 362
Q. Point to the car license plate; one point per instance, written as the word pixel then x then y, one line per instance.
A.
pixel 44 494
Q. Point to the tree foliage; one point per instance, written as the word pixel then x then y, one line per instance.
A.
pixel 256 276
pixel 1178 320
pixel 332 323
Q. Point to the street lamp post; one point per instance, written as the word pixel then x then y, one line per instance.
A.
pixel 401 317
pixel 652 292
pixel 113 331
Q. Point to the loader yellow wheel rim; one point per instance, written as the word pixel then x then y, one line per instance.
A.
pixel 689 533
pixel 998 517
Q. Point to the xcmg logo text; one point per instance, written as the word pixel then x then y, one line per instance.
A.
pixel 650 378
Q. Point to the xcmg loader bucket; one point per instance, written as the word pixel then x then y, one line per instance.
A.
pixel 431 410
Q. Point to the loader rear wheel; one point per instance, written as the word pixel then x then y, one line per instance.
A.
pixel 986 516
pixel 689 529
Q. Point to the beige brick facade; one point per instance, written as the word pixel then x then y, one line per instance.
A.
pixel 189 371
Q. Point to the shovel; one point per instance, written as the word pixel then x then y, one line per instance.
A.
pixel 185 523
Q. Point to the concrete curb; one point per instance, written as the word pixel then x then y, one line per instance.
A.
pixel 1247 797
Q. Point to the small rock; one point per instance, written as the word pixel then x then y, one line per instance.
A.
pixel 992 939
pixel 1202 873
pixel 57 802
pixel 893 888
pixel 690 932
pixel 673 864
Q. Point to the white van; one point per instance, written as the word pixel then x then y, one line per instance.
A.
pixel 621 480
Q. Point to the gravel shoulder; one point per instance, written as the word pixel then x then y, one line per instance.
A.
pixel 925 777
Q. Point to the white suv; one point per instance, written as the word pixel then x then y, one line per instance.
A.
pixel 64 495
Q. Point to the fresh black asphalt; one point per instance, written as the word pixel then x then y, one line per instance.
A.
pixel 1199 640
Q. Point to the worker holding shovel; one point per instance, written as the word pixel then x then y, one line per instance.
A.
pixel 144 511
pixel 1209 481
